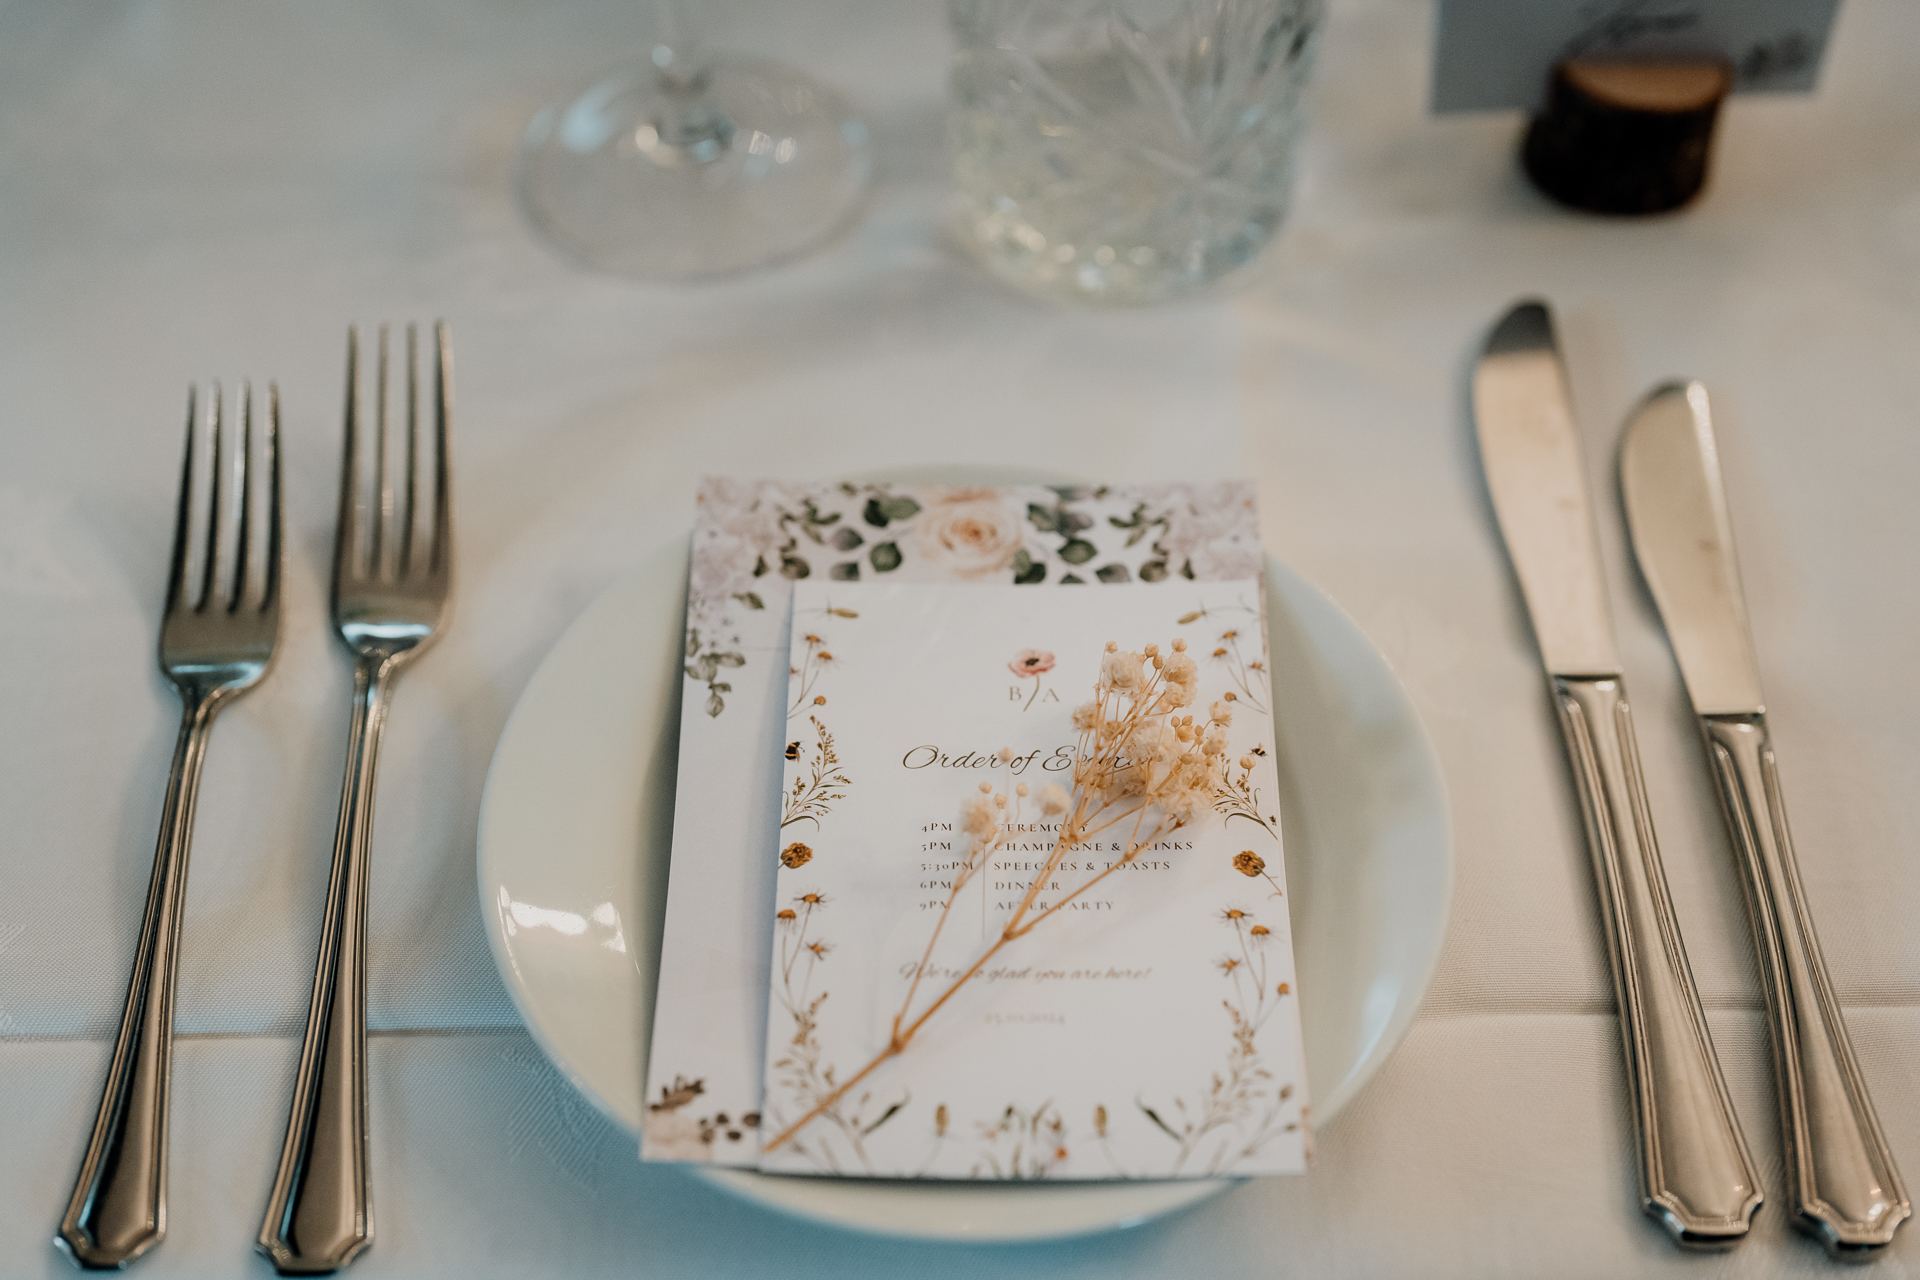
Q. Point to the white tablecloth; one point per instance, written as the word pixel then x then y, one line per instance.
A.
pixel 214 189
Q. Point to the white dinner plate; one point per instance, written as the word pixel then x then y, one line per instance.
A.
pixel 576 822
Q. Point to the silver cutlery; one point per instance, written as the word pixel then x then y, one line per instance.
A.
pixel 392 580
pixel 1696 1176
pixel 1841 1179
pixel 216 641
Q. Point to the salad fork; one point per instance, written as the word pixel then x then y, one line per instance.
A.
pixel 216 642
pixel 391 584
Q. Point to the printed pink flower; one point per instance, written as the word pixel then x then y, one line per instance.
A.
pixel 966 533
pixel 1031 662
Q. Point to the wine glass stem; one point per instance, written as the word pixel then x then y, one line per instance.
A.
pixel 688 127
pixel 675 48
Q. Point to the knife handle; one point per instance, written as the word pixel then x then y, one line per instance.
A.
pixel 1696 1176
pixel 1844 1187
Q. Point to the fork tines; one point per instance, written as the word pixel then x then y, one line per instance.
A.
pixel 226 586
pixel 217 640
pixel 377 535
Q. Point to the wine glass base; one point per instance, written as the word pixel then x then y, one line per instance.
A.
pixel 760 166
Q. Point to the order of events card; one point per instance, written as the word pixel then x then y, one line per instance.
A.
pixel 752 542
pixel 1121 1007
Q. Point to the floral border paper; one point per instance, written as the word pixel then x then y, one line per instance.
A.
pixel 752 541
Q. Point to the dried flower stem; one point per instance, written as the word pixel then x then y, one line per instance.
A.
pixel 1134 757
pixel 1238 666
pixel 1238 670
pixel 812 664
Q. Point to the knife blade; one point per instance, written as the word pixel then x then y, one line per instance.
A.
pixel 1683 540
pixel 1843 1185
pixel 1530 451
pixel 1696 1176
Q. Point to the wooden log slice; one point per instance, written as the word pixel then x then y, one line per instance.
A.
pixel 1626 137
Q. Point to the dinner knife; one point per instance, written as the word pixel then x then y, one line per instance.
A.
pixel 1841 1180
pixel 1696 1176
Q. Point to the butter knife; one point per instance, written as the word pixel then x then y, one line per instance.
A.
pixel 1696 1176
pixel 1841 1179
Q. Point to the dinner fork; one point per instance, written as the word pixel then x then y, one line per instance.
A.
pixel 216 642
pixel 390 593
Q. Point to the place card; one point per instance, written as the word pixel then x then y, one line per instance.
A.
pixel 753 540
pixel 1081 982
pixel 1491 55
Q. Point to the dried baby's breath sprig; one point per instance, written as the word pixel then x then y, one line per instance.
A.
pixel 1142 770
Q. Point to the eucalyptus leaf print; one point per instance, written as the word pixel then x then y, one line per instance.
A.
pixel 705 662
pixel 884 509
pixel 1026 570
pixel 754 538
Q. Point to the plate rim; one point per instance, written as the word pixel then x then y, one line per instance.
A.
pixel 1394 1034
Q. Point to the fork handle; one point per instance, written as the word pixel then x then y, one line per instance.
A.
pixel 1844 1187
pixel 119 1206
pixel 1696 1177
pixel 320 1213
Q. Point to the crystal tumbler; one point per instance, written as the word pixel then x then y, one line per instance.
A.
pixel 1125 151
